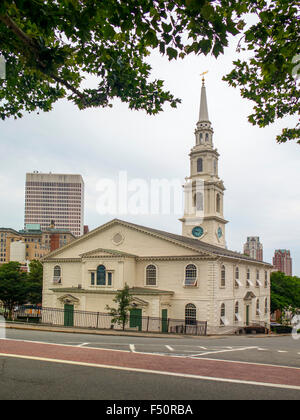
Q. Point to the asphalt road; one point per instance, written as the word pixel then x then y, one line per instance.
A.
pixel 189 369
pixel 279 350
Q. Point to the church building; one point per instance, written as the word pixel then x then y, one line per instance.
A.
pixel 191 277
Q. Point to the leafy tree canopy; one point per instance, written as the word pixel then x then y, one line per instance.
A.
pixel 51 46
pixel 13 285
pixel 285 292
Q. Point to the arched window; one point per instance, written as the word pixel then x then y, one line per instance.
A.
pixel 57 271
pixel 222 314
pixel 236 312
pixel 57 274
pixel 206 137
pixel 257 308
pixel 190 275
pixel 248 277
pixel 151 275
pixel 101 275
pixel 223 276
pixel 266 279
pixel 198 201
pixel 190 314
pixel 257 278
pixel 218 203
pixel 266 306
pixel 200 165
pixel 237 277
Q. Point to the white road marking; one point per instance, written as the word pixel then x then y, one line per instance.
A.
pixel 83 344
pixel 203 348
pixel 132 348
pixel 182 375
pixel 222 351
pixel 170 348
pixel 282 351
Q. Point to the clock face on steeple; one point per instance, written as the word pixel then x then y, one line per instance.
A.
pixel 220 233
pixel 197 231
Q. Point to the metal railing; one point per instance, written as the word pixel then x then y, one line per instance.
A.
pixel 101 320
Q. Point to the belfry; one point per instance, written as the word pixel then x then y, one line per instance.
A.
pixel 204 191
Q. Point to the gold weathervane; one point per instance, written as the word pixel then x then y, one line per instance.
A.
pixel 203 74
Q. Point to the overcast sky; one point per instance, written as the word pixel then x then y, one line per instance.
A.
pixel 261 177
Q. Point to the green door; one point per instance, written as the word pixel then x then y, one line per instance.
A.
pixel 164 320
pixel 136 318
pixel 69 316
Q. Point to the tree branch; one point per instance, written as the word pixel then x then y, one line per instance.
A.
pixel 30 43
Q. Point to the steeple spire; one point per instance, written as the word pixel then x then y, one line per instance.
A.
pixel 203 115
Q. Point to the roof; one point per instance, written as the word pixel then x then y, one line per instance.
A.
pixel 196 243
pixel 191 243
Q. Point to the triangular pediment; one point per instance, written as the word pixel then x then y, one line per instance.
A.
pixel 135 241
pixel 249 296
pixel 102 252
pixel 68 299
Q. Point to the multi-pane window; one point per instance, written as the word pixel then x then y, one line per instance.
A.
pixel 101 277
pixel 248 282
pixel 57 274
pixel 266 279
pixel 190 314
pixel 236 312
pixel 266 306
pixel 237 282
pixel 222 314
pixel 257 307
pixel 200 165
pixel 151 275
pixel 257 279
pixel 223 276
pixel 190 275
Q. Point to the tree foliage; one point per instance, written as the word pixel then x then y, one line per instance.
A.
pixel 51 46
pixel 18 287
pixel 121 313
pixel 13 286
pixel 285 292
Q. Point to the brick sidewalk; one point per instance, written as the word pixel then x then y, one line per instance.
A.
pixel 249 372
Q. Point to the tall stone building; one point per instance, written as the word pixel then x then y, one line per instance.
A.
pixel 55 199
pixel 282 261
pixel 253 248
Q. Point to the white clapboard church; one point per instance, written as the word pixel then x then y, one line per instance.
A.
pixel 191 277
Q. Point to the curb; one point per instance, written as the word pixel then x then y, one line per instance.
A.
pixel 34 327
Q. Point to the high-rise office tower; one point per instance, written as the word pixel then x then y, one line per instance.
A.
pixel 55 200
pixel 254 248
pixel 282 261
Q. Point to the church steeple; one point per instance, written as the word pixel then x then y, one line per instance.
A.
pixel 204 190
pixel 203 114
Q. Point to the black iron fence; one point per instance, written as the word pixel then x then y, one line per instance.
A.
pixel 69 317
